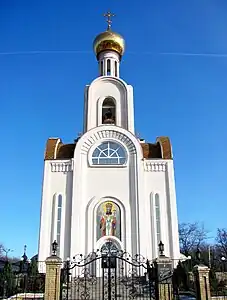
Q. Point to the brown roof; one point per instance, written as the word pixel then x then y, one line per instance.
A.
pixel 55 149
pixel 50 148
pixel 161 149
pixel 151 150
pixel 65 151
pixel 166 147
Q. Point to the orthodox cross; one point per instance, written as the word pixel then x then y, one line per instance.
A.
pixel 108 16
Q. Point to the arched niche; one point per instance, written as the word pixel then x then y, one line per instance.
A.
pixel 108 220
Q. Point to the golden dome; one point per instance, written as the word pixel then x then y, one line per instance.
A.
pixel 109 40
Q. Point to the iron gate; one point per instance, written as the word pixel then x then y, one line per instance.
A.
pixel 108 274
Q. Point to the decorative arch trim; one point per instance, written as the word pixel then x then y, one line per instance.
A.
pixel 101 242
pixel 105 135
pixel 109 79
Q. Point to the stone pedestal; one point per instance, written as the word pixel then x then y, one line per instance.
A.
pixel 52 280
pixel 202 283
pixel 164 271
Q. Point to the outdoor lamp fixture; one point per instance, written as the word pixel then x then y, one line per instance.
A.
pixel 161 248
pixel 68 263
pixel 198 254
pixel 54 248
pixel 223 260
pixel 24 261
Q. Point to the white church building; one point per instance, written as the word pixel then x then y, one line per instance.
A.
pixel 108 185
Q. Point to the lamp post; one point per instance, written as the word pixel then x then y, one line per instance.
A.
pixel 198 255
pixel 24 268
pixel 67 276
pixel 161 248
pixel 24 261
pixel 223 259
pixel 189 262
pixel 6 250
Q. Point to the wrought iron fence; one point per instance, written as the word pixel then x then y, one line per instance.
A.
pixel 107 274
pixel 218 284
pixel 113 274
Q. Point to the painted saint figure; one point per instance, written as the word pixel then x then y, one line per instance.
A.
pixel 108 221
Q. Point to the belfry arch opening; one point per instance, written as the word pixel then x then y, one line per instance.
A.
pixel 108 111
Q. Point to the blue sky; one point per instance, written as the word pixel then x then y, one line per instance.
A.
pixel 177 93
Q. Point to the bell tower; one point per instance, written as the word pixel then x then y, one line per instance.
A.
pixel 109 100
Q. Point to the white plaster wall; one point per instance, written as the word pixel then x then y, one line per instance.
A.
pixel 109 183
pixel 132 187
pixel 55 183
pixel 45 212
pixel 92 184
pixel 106 86
pixel 161 181
pixel 172 208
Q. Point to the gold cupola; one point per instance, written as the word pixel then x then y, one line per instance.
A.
pixel 109 40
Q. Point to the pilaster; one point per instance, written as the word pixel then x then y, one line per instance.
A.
pixel 52 281
pixel 164 271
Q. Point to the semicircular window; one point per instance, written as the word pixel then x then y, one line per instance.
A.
pixel 109 153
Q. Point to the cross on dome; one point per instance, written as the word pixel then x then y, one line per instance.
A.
pixel 108 16
pixel 109 41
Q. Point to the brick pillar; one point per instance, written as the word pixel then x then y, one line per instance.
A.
pixel 52 280
pixel 164 285
pixel 202 283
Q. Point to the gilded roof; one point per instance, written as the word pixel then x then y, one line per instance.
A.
pixel 162 149
pixel 109 40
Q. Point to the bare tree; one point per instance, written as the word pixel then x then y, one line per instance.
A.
pixel 4 252
pixel 1 250
pixel 191 236
pixel 221 240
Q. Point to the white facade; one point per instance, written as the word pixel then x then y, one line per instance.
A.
pixel 112 192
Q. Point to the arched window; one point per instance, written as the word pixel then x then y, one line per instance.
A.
pixel 109 248
pixel 101 68
pixel 108 220
pixel 53 237
pixel 157 218
pixel 108 67
pixel 109 153
pixel 59 210
pixel 56 221
pixel 116 74
pixel 108 111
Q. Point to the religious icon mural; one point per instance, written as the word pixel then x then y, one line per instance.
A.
pixel 108 220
